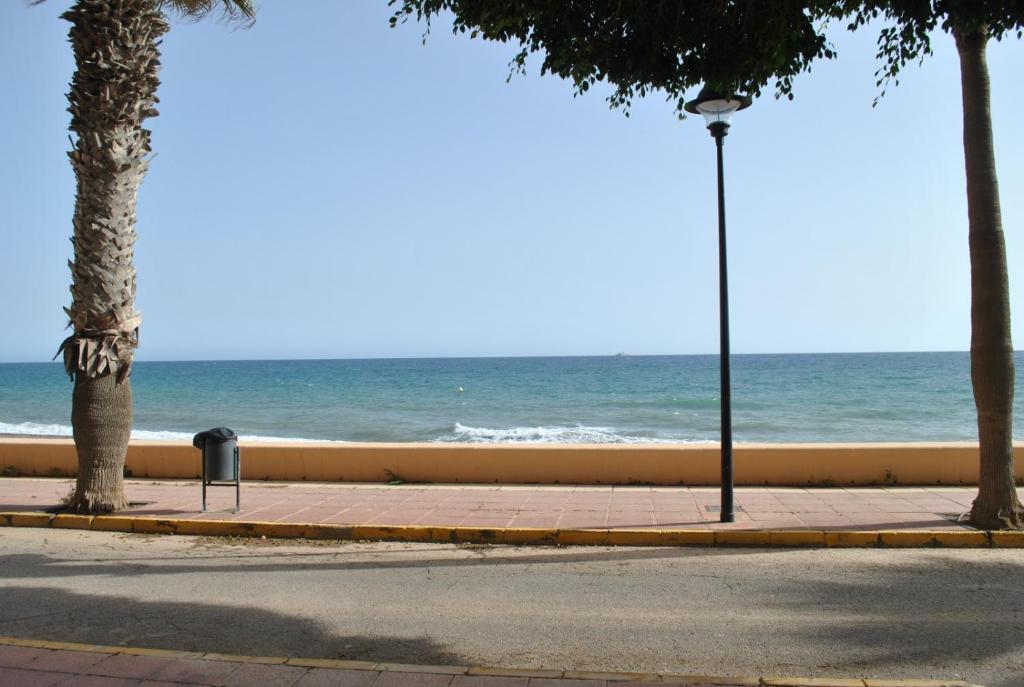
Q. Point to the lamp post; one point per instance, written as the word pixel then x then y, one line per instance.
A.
pixel 718 109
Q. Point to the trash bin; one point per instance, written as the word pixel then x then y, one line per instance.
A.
pixel 221 460
pixel 218 446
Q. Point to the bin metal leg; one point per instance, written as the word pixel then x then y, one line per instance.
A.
pixel 203 477
pixel 238 482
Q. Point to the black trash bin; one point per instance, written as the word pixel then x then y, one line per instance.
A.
pixel 221 461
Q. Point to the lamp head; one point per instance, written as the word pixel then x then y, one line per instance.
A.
pixel 717 108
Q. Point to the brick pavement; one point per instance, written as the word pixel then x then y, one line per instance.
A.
pixel 497 506
pixel 27 663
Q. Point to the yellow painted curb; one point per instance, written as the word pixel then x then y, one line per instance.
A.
pixel 237 658
pixel 530 535
pixel 73 522
pixel 522 535
pixel 741 538
pixel 809 682
pixel 377 533
pixel 332 663
pixel 1007 540
pixel 316 531
pixel 30 519
pixel 281 530
pixel 970 539
pixel 434 670
pixel 154 526
pixel 511 672
pixel 220 528
pixel 840 539
pixel 111 523
pixel 161 653
pixel 581 537
pixel 597 675
pixel 907 538
pixel 870 682
pixel 796 538
pixel 634 538
pixel 687 538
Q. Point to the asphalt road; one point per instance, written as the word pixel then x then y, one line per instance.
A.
pixel 882 613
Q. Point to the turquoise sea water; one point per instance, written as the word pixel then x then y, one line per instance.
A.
pixel 776 398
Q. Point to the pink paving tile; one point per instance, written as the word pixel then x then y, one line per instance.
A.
pixel 532 506
pixel 201 672
pixel 829 522
pixel 488 519
pixel 18 656
pixel 329 677
pixel 263 675
pixel 66 661
pixel 543 522
pixel 29 678
pixel 679 523
pixel 634 523
pixel 396 679
pixel 398 518
pixel 123 665
pixel 97 681
pixel 580 523
pixel 488 681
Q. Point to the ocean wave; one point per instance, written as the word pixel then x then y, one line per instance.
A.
pixel 36 429
pixel 578 434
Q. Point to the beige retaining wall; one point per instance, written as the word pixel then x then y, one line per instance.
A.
pixel 756 464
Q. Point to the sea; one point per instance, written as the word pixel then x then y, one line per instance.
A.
pixel 834 397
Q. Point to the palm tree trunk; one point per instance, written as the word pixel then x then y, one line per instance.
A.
pixel 113 91
pixel 101 415
pixel 992 365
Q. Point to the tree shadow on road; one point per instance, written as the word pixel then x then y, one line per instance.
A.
pixel 196 626
pixel 935 611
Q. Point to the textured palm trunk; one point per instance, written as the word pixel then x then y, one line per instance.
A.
pixel 992 365
pixel 113 91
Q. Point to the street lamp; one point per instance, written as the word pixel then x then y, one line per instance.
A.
pixel 718 109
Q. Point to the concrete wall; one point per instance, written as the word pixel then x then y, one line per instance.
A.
pixel 756 464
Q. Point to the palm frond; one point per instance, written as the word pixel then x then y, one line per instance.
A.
pixel 230 10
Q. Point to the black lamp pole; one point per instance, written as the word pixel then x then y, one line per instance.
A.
pixel 717 109
pixel 728 514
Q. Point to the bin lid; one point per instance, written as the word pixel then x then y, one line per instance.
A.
pixel 217 435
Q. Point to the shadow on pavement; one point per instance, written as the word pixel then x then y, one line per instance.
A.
pixel 195 626
pixel 964 613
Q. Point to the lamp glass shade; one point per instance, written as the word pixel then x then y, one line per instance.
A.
pixel 719 111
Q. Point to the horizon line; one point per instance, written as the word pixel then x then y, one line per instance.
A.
pixel 502 357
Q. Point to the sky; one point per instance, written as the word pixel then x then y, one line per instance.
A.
pixel 326 186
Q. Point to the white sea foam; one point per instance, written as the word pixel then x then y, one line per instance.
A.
pixel 36 429
pixel 577 434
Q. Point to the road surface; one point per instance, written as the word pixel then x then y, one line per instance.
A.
pixel 934 613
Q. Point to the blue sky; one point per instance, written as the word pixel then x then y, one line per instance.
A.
pixel 326 186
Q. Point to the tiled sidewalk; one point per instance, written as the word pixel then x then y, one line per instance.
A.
pixel 496 506
pixel 31 664
pixel 30 667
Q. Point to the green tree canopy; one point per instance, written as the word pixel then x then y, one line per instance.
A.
pixel 643 46
pixel 909 25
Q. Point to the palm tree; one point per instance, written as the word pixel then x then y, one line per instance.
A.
pixel 113 91
pixel 992 364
